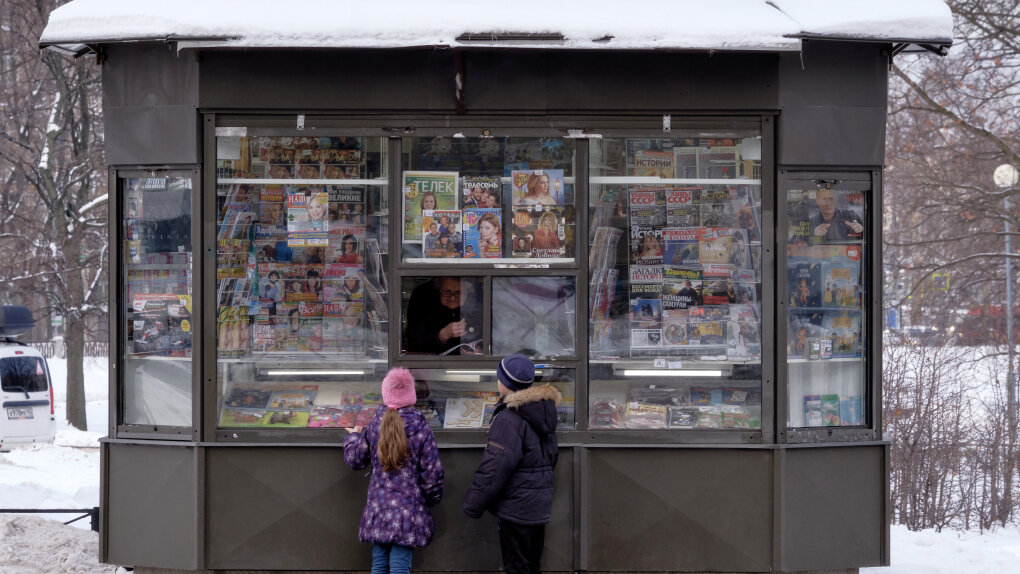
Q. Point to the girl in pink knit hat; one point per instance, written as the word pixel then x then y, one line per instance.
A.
pixel 407 476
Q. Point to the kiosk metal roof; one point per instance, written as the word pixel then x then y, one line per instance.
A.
pixel 719 25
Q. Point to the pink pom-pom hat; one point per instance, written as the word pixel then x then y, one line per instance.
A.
pixel 398 389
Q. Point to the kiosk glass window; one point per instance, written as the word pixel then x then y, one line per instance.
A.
pixel 157 322
pixel 826 267
pixel 675 282
pixel 487 200
pixel 301 283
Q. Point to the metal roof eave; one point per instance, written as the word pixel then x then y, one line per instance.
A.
pixel 938 46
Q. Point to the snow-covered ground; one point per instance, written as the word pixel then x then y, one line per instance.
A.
pixel 66 475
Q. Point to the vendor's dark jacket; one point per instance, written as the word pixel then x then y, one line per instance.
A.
pixel 515 478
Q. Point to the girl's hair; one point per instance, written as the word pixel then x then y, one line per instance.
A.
pixel 393 451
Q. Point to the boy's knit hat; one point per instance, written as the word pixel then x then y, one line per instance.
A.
pixel 516 372
pixel 398 389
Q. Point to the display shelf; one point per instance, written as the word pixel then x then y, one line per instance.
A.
pixel 499 262
pixel 642 180
pixel 381 182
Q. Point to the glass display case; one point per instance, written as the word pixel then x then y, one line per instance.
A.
pixel 301 279
pixel 487 200
pixel 156 311
pixel 826 269
pixel 674 268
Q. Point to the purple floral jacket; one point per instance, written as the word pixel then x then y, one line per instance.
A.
pixel 397 508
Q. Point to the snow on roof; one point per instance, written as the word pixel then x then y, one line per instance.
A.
pixel 576 24
pixel 928 21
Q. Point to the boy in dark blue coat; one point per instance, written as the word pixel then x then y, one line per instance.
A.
pixel 515 478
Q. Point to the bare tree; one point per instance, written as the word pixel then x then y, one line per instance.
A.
pixel 53 201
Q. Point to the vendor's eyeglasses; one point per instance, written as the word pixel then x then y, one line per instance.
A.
pixel 447 294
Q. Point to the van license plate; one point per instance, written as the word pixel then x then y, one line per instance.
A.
pixel 19 414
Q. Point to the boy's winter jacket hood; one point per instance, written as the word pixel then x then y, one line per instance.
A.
pixel 536 405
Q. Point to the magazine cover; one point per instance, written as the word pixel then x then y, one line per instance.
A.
pixel 346 244
pixel 653 163
pixel 243 398
pixel 535 154
pixel 680 246
pixel 682 209
pixel 271 213
pixel 538 187
pixel 826 216
pixel 718 292
pixel 483 233
pixel 841 284
pixel 745 205
pixel 645 313
pixel 339 163
pixel 740 250
pixel 675 332
pixel 301 282
pixel 306 218
pixel 481 191
pixel 681 289
pixel 442 236
pixel 346 205
pixel 464 412
pixel 279 161
pixel 230 417
pixel 716 209
pixel 646 281
pixel 645 244
pixel 715 245
pixel 539 232
pixel 647 207
pixel 343 283
pixel 645 339
pixel 830 411
pixel 426 191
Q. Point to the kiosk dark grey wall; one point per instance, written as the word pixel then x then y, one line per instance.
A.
pixel 625 500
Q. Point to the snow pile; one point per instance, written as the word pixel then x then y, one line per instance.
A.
pixel 950 552
pixel 584 24
pixel 30 545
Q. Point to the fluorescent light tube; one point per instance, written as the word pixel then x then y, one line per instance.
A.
pixel 310 372
pixel 670 372
pixel 472 372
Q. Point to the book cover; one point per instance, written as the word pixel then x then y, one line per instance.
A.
pixel 804 283
pixel 538 187
pixel 844 330
pixel 851 413
pixel 481 191
pixel 802 326
pixel 292 400
pixel 830 411
pixel 483 233
pixel 325 417
pixel 241 398
pixel 709 417
pixel 426 191
pixel 230 417
pixel 841 284
pixel 680 246
pixel 812 410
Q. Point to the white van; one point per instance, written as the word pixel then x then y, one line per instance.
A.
pixel 26 393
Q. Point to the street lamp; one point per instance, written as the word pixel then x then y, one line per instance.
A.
pixel 1006 178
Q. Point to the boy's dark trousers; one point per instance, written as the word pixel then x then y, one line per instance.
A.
pixel 521 546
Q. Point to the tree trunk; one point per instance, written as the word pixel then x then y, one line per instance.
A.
pixel 74 339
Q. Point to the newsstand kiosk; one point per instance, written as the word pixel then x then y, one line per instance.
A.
pixel 679 220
